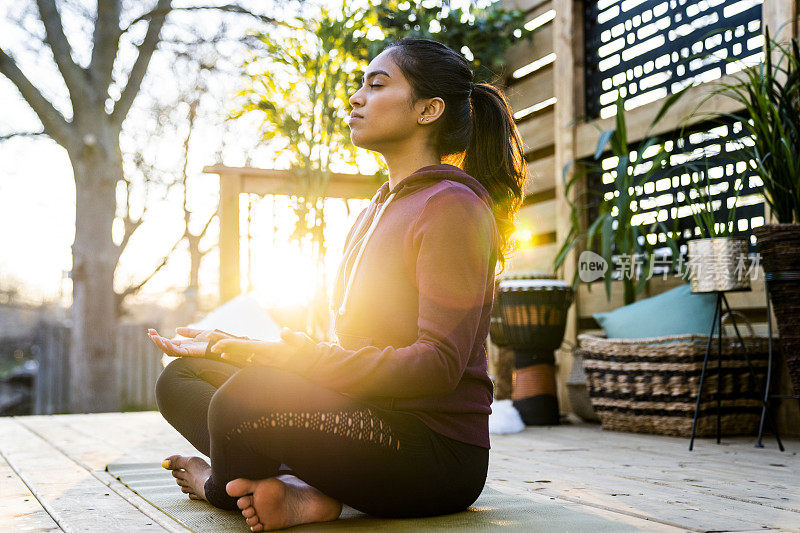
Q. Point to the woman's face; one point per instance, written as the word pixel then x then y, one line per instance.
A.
pixel 382 113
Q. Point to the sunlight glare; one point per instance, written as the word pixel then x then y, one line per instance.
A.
pixel 523 236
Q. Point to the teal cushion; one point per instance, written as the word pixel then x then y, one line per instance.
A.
pixel 674 312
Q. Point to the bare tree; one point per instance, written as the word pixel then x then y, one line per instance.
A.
pixel 152 184
pixel 100 97
pixel 193 238
pixel 200 75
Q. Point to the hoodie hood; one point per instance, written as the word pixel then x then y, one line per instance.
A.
pixel 420 179
pixel 426 176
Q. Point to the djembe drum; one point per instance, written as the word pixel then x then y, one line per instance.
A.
pixel 500 361
pixel 502 364
pixel 533 317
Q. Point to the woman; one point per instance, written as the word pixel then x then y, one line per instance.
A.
pixel 392 419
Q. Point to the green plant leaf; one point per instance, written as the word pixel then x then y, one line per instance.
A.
pixel 671 100
pixel 607 249
pixel 602 142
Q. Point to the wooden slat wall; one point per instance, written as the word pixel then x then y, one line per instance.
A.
pixel 548 143
pixel 553 137
pixel 538 134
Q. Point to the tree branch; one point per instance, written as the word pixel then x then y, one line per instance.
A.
pixel 208 223
pixel 147 47
pixel 55 125
pixel 203 253
pixel 136 288
pixel 139 69
pixel 184 174
pixel 21 134
pixel 105 44
pixel 130 227
pixel 230 8
pixel 62 51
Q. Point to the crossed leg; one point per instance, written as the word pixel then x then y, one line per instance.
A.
pixel 385 463
pixel 183 393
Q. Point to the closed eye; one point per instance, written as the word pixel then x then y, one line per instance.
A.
pixel 375 85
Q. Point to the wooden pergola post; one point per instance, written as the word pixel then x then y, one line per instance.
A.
pixel 234 181
pixel 230 186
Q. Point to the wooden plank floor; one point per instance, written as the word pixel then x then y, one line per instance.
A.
pixel 52 475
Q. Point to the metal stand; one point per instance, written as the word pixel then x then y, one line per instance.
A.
pixel 717 324
pixel 792 275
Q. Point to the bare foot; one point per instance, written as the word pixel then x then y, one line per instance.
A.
pixel 282 501
pixel 191 474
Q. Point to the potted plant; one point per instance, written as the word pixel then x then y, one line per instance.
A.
pixel 769 94
pixel 717 260
pixel 612 230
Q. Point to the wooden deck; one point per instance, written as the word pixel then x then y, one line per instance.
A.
pixel 52 475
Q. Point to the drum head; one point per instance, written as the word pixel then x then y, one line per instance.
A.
pixel 533 285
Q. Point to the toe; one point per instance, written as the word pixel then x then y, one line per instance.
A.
pixel 244 502
pixel 248 512
pixel 177 461
pixel 256 528
pixel 239 487
pixel 253 520
pixel 171 462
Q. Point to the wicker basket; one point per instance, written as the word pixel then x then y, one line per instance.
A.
pixel 650 385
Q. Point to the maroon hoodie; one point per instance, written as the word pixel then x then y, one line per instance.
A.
pixel 412 301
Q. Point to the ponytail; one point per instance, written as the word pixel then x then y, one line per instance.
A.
pixel 495 157
pixel 476 131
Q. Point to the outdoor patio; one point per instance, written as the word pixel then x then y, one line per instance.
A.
pixel 631 149
pixel 53 478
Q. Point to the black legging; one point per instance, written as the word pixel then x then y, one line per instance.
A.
pixel 255 421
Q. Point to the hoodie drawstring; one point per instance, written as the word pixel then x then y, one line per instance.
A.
pixel 356 232
pixel 352 276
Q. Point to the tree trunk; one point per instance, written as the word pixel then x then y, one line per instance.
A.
pixel 192 294
pixel 94 365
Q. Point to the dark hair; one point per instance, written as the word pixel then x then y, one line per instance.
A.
pixel 476 132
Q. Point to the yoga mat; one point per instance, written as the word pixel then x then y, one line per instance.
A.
pixel 492 511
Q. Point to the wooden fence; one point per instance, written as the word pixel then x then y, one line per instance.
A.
pixel 51 387
pixel 139 364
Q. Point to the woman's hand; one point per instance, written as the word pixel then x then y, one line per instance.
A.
pixel 204 335
pixel 267 353
pixel 194 346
